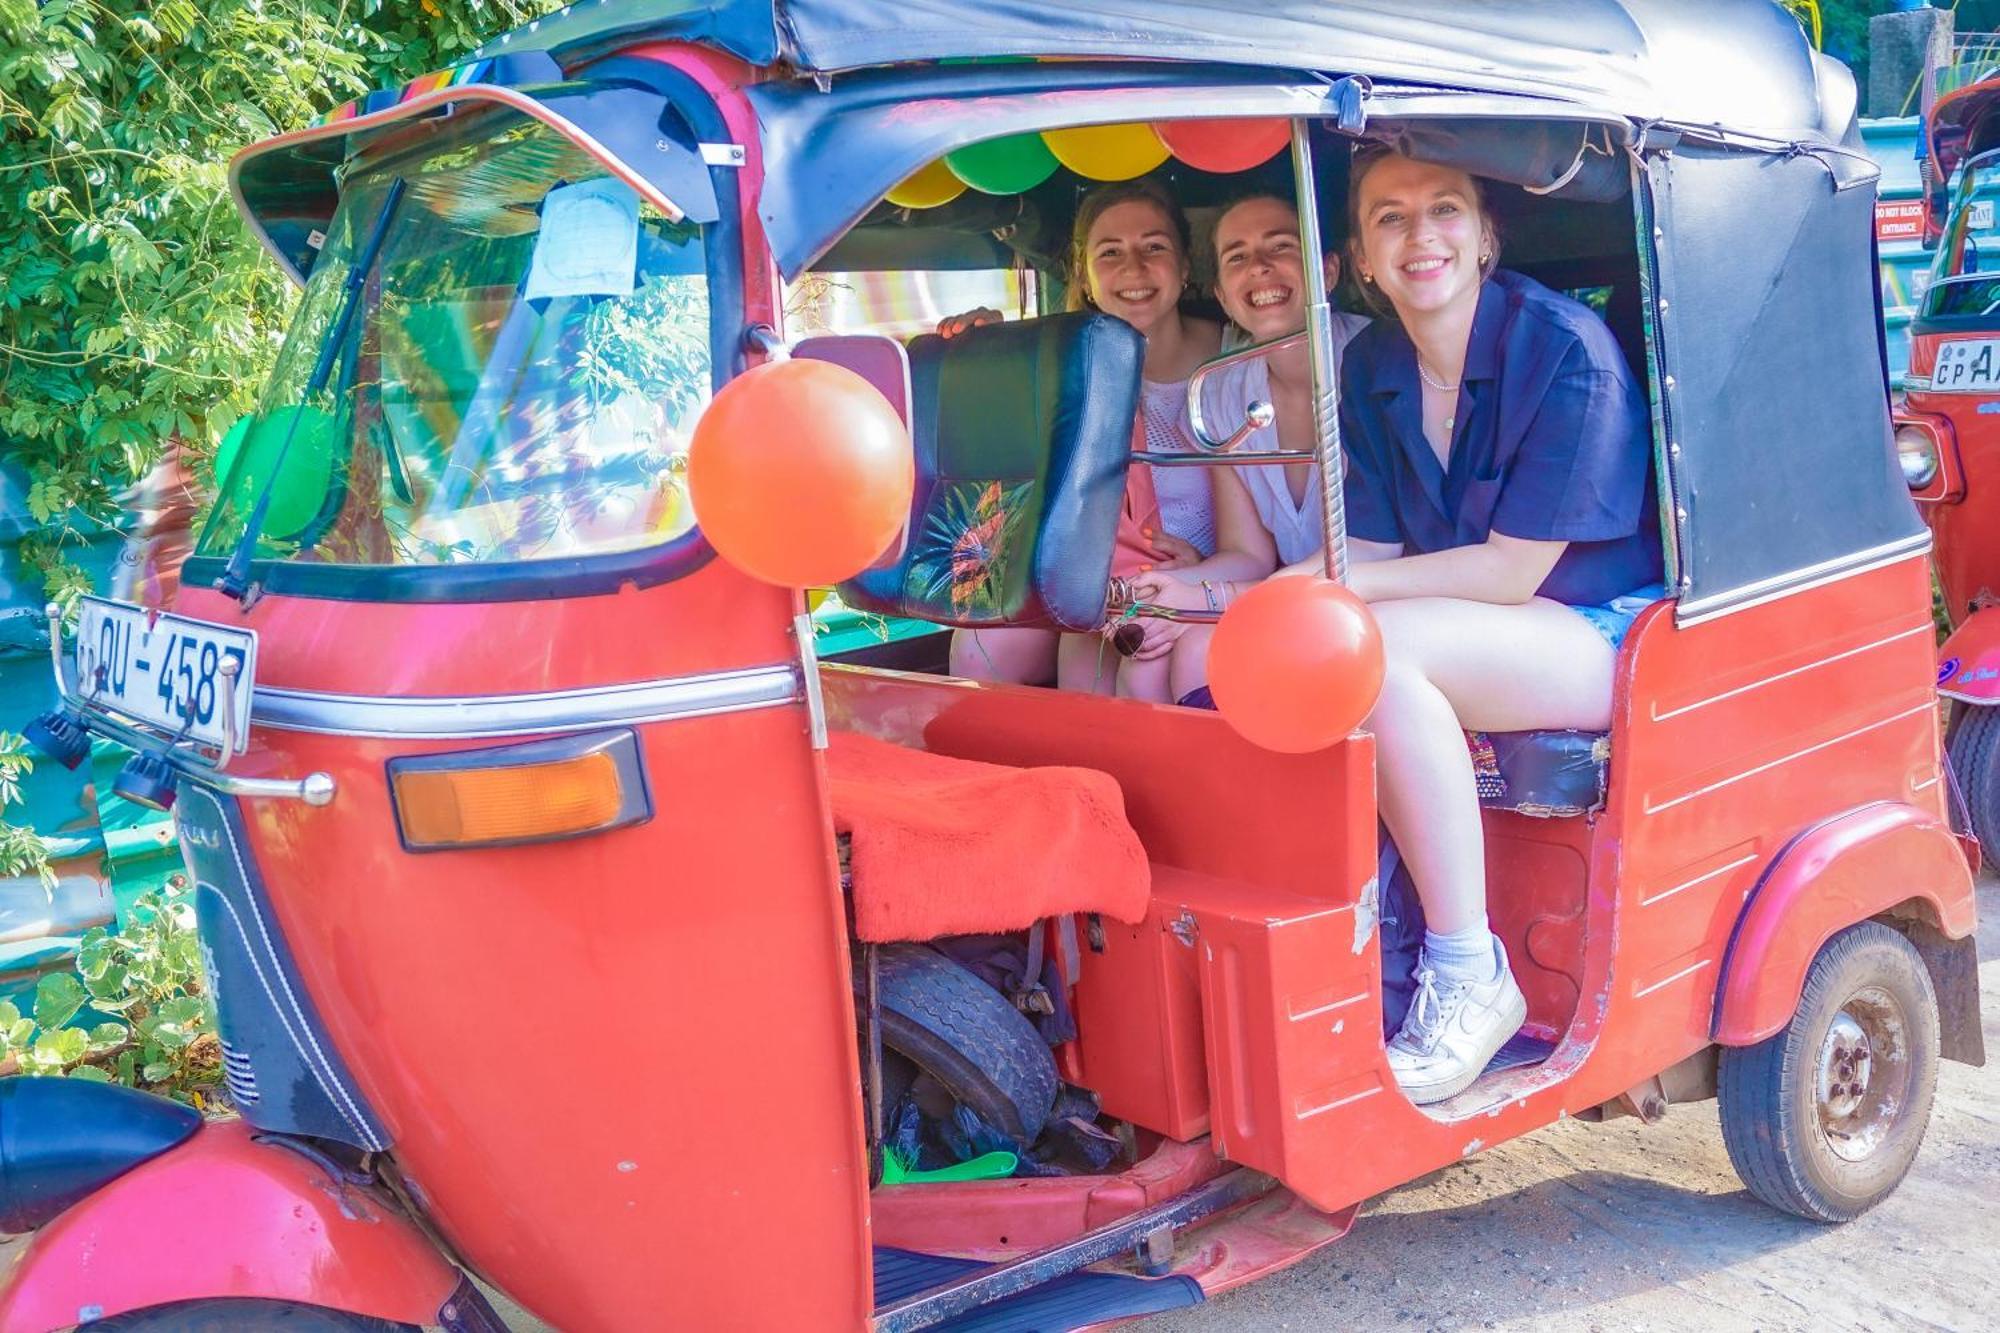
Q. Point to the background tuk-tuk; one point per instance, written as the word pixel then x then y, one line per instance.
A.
pixel 1948 425
pixel 465 684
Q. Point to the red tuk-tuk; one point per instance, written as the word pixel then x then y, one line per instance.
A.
pixel 511 805
pixel 1947 425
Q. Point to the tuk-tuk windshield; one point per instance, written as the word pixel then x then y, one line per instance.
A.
pixel 526 356
pixel 1965 276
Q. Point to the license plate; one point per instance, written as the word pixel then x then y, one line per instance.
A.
pixel 164 670
pixel 1968 365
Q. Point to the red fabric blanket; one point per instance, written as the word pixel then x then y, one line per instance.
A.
pixel 943 846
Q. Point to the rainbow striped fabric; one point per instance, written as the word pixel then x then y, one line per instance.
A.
pixel 384 98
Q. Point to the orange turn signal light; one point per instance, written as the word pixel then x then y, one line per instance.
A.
pixel 466 803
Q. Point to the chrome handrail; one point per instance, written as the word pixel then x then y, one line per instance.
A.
pixel 1256 416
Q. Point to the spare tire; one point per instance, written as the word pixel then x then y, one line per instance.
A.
pixel 967 1036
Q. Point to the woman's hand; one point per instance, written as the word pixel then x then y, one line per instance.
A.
pixel 953 325
pixel 1161 587
pixel 1174 552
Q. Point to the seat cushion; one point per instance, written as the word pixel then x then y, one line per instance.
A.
pixel 1022 436
pixel 1547 773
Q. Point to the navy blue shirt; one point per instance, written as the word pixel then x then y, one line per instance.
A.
pixel 1550 443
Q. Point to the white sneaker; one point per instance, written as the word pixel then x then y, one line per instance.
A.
pixel 1453 1029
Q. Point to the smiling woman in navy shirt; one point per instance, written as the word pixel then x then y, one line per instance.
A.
pixel 1502 527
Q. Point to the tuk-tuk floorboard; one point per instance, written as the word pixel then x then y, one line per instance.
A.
pixel 1621 1226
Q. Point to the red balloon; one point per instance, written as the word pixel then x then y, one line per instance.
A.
pixel 800 473
pixel 1296 664
pixel 1224 145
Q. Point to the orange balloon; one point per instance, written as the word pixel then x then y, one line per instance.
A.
pixel 800 473
pixel 1296 664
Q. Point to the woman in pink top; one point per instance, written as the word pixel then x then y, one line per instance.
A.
pixel 1130 257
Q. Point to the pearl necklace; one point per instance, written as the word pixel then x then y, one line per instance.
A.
pixel 1441 387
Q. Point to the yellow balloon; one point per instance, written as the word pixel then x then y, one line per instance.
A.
pixel 930 187
pixel 1107 152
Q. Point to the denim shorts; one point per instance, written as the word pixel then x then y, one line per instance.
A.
pixel 1615 617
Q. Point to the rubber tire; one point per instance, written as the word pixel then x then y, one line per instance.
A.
pixel 1767 1090
pixel 246 1316
pixel 1974 751
pixel 967 1036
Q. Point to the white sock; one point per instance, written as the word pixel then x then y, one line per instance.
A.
pixel 1465 955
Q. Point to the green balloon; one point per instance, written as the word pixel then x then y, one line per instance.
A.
pixel 1004 166
pixel 231 446
pixel 248 456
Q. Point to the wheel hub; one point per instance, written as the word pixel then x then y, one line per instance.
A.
pixel 1863 1073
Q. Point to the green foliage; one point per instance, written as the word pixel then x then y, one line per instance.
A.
pixel 21 849
pixel 1844 27
pixel 133 1012
pixel 135 309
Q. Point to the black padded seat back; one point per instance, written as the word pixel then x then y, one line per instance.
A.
pixel 1023 434
pixel 1551 774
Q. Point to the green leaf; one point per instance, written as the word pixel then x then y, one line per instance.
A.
pixel 105 1036
pixel 108 982
pixel 182 1011
pixel 9 1015
pixel 90 1074
pixel 62 1047
pixel 157 1072
pixel 21 1033
pixel 57 998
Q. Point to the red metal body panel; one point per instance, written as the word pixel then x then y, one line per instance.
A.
pixel 1729 739
pixel 1852 867
pixel 373 648
pixel 1271 1234
pixel 1138 1046
pixel 1739 735
pixel 1969 662
pixel 225 1216
pixel 642 957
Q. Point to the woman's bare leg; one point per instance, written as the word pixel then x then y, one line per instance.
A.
pixel 1451 665
pixel 1147 681
pixel 1087 663
pixel 1012 654
pixel 1457 665
pixel 1190 661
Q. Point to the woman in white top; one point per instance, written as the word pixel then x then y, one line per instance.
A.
pixel 1130 257
pixel 1260 281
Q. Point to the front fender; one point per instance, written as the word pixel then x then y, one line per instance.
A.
pixel 1847 869
pixel 1969 662
pixel 225 1215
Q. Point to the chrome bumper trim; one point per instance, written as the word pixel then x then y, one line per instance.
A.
pixel 450 718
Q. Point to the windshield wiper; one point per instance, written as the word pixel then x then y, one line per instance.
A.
pixel 235 580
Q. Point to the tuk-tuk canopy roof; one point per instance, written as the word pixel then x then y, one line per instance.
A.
pixel 1737 65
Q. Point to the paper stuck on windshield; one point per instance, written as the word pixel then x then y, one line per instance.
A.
pixel 589 242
